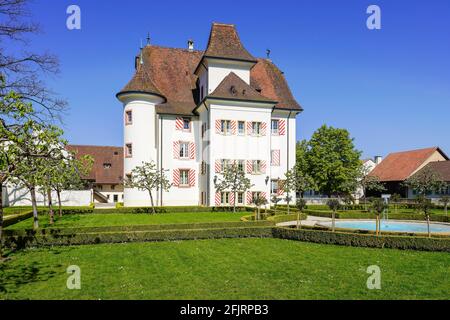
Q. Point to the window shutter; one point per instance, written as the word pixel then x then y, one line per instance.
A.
pixel 179 124
pixel 232 198
pixel 263 195
pixel 233 127
pixel 192 178
pixel 249 197
pixel 176 149
pixel 176 178
pixel 249 166
pixel 282 127
pixel 218 126
pixel 192 151
pixel 218 199
pixel 263 166
pixel 249 128
pixel 275 158
pixel 263 128
pixel 218 166
pixel 280 187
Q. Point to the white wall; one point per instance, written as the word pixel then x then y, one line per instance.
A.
pixel 21 197
pixel 218 70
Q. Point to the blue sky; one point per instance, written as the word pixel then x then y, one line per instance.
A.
pixel 390 88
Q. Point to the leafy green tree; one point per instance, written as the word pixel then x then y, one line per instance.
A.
pixel 259 201
pixel 233 180
pixel 333 162
pixel 424 204
pixel 378 206
pixel 333 204
pixel 425 181
pixel 369 183
pixel 303 179
pixel 275 201
pixel 445 200
pixel 148 177
pixel 301 205
pixel 395 199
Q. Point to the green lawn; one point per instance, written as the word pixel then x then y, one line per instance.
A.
pixel 15 210
pixel 98 219
pixel 224 269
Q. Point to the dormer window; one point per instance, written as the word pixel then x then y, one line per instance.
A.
pixel 107 166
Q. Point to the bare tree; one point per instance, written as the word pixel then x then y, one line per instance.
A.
pixel 22 70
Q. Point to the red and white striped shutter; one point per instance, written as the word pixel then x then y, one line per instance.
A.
pixel 233 127
pixel 263 166
pixel 218 126
pixel 232 198
pixel 263 195
pixel 282 127
pixel 176 149
pixel 192 178
pixel 280 187
pixel 275 158
pixel 179 123
pixel 176 178
pixel 192 151
pixel 249 197
pixel 218 199
pixel 249 166
pixel 249 128
pixel 263 128
pixel 218 166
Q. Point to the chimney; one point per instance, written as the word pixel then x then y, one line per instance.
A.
pixel 191 45
pixel 378 159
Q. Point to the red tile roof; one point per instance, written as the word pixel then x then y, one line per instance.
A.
pixel 442 168
pixel 400 166
pixel 170 73
pixel 102 155
pixel 224 42
pixel 233 87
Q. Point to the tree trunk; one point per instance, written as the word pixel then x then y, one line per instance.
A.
pixel 446 209
pixel 34 205
pixel 288 203
pixel 50 206
pixel 333 221
pixel 58 193
pixel 1 219
pixel 151 201
pixel 298 221
pixel 428 226
pixel 259 213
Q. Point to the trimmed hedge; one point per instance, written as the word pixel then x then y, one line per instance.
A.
pixel 151 227
pixel 362 240
pixel 286 217
pixel 368 215
pixel 19 242
pixel 13 219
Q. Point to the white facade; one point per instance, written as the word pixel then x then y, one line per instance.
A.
pixel 191 148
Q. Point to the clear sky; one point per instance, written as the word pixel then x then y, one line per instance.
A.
pixel 390 88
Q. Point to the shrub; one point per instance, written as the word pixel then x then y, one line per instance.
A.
pixel 286 217
pixel 362 240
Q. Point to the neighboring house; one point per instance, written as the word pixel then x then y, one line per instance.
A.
pixel 442 169
pixel 106 177
pixel 398 167
pixel 195 112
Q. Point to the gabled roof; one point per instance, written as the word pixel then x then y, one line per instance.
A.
pixel 224 43
pixel 442 168
pixel 400 166
pixel 234 88
pixel 102 155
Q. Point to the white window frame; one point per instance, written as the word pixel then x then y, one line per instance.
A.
pixel 273 130
pixel 256 128
pixel 241 163
pixel 256 166
pixel 225 127
pixel 243 128
pixel 225 196
pixel 128 117
pixel 189 122
pixel 184 150
pixel 272 190
pixel 184 175
pixel 241 196
pixel 128 150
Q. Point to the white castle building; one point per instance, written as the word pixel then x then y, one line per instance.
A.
pixel 193 112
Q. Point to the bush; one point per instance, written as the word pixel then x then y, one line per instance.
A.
pixel 13 219
pixel 20 242
pixel 286 217
pixel 362 240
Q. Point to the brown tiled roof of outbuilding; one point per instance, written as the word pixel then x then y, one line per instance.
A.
pixel 224 42
pixel 102 155
pixel 400 166
pixel 442 168
pixel 233 87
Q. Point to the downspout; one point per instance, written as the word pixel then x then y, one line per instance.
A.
pixel 208 168
pixel 288 133
pixel 161 157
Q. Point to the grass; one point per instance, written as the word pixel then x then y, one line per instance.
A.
pixel 224 269
pixel 9 211
pixel 98 219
